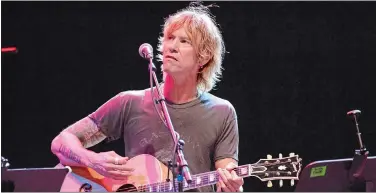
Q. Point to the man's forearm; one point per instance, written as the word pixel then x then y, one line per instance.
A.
pixel 70 145
pixel 71 153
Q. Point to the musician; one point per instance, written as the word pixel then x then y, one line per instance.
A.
pixel 192 50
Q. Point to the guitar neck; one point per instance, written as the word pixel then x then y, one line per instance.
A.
pixel 201 180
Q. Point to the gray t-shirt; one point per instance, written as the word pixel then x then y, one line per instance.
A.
pixel 208 126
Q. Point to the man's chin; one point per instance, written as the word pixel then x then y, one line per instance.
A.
pixel 170 72
pixel 171 69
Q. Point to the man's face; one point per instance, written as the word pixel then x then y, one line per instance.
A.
pixel 179 56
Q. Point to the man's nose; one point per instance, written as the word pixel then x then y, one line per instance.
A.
pixel 172 47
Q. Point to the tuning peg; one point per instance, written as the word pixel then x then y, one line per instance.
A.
pixel 280 155
pixel 292 183
pixel 270 184
pixel 280 183
pixel 269 156
pixel 292 154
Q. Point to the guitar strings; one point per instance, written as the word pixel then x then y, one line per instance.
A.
pixel 167 185
pixel 163 185
pixel 143 188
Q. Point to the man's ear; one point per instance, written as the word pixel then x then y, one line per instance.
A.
pixel 204 60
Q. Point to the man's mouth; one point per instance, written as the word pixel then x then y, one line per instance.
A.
pixel 171 57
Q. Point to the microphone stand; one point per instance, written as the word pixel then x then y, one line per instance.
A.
pixel 357 182
pixel 181 163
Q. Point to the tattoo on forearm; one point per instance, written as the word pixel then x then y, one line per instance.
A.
pixel 70 154
pixel 87 132
pixel 94 139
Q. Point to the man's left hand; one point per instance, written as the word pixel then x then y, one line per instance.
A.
pixel 229 181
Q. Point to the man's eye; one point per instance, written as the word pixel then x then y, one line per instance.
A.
pixel 185 41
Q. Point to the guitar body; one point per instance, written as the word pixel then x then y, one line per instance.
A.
pixel 148 170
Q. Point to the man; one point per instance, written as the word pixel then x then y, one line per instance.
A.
pixel 191 50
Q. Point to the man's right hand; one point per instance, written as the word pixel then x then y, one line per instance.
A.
pixel 110 164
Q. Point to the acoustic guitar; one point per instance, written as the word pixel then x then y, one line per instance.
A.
pixel 150 175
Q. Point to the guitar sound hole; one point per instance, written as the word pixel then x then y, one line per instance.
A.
pixel 127 188
pixel 86 187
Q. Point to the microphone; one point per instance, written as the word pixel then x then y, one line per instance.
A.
pixel 146 51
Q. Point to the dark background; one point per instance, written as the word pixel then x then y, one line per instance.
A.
pixel 292 72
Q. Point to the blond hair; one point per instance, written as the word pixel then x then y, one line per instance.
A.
pixel 206 39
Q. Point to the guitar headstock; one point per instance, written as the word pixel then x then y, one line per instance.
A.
pixel 281 168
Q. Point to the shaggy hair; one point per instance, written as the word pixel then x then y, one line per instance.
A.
pixel 206 39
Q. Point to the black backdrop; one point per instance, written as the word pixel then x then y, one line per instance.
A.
pixel 292 72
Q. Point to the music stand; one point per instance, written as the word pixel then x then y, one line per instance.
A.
pixel 335 176
pixel 33 179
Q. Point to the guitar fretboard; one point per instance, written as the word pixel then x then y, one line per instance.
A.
pixel 266 169
pixel 199 180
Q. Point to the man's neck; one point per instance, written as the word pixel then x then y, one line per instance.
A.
pixel 179 92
